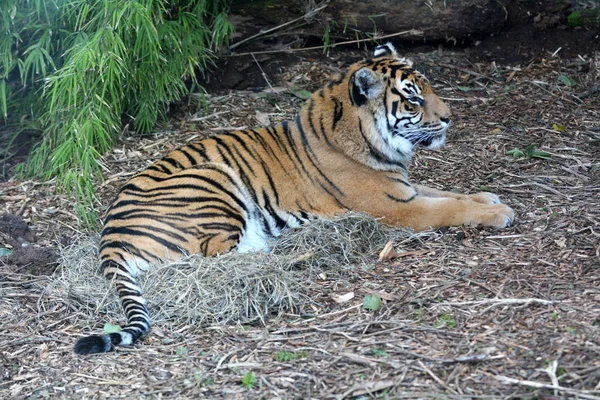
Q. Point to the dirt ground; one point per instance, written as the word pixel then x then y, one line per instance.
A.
pixel 472 313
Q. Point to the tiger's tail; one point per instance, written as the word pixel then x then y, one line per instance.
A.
pixel 134 304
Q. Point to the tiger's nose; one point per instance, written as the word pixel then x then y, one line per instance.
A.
pixel 445 120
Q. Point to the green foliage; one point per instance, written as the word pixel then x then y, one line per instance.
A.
pixel 110 328
pixel 380 353
pixel 516 153
pixel 372 302
pixel 301 93
pixel 182 351
pixel 566 80
pixel 285 356
pixel 248 380
pixel 584 17
pixel 530 151
pixel 326 38
pixel 575 19
pixel 75 69
pixel 419 315
pixel 446 320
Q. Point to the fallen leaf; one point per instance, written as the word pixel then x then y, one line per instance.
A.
pixel 263 118
pixel 110 328
pixel 388 252
pixel 372 302
pixel 343 298
pixel 44 352
pixel 301 93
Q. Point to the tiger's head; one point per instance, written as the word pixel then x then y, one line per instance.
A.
pixel 397 107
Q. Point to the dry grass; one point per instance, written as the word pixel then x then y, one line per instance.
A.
pixel 242 288
pixel 469 313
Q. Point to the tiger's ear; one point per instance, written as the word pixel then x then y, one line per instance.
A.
pixel 386 50
pixel 366 85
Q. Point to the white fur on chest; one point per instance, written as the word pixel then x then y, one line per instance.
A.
pixel 255 237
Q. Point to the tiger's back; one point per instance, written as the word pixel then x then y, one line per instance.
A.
pixel 347 149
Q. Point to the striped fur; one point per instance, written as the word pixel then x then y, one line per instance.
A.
pixel 347 149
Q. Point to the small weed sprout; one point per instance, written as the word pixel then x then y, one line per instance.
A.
pixel 248 380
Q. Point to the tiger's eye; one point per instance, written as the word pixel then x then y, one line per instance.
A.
pixel 416 100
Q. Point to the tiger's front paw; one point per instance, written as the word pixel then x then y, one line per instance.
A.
pixel 484 198
pixel 495 215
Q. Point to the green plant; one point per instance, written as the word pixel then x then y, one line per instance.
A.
pixel 575 19
pixel 110 328
pixel 248 380
pixel 182 351
pixel 446 320
pixel 372 302
pixel 419 315
pixel 76 69
pixel 285 356
pixel 326 38
pixel 531 151
pixel 566 80
pixel 380 353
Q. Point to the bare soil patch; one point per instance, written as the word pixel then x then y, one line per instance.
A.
pixel 471 313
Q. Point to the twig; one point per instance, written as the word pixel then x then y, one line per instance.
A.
pixel 581 393
pixel 470 72
pixel 207 116
pixel 551 371
pixel 496 302
pixel 310 14
pixel 360 389
pixel 438 380
pixel 263 74
pixel 504 236
pixel 411 31
pixel 548 188
pixel 551 93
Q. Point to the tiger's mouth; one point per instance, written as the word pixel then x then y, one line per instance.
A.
pixel 434 142
pixel 428 139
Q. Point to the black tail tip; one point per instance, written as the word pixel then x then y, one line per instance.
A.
pixel 93 344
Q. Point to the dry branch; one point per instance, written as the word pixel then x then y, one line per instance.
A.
pixel 585 394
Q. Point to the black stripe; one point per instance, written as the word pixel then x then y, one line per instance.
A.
pixel 279 222
pixel 199 148
pixel 376 154
pixel 172 162
pixel 399 200
pixel 310 155
pixel 402 181
pixel 338 112
pixel 189 157
pixel 136 230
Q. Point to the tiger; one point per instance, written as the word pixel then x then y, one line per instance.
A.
pixel 348 149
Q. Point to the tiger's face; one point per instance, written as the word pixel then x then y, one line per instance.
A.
pixel 406 110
